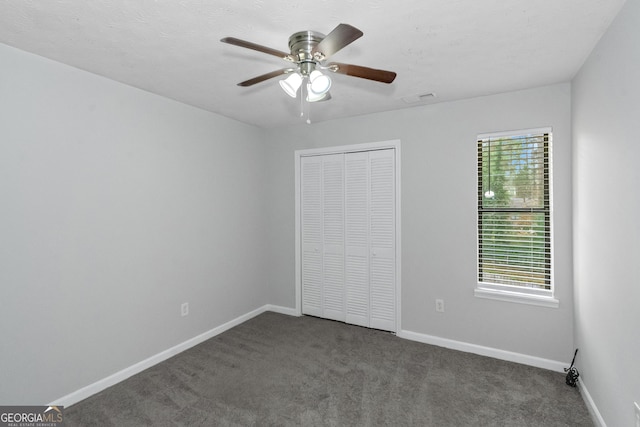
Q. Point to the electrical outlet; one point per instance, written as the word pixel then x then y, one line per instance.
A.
pixel 635 404
pixel 440 305
pixel 184 309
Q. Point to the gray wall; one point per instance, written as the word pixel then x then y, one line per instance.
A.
pixel 117 206
pixel 606 113
pixel 439 215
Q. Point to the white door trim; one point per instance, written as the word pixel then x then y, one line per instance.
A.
pixel 298 154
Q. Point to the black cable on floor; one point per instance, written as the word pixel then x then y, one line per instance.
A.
pixel 572 372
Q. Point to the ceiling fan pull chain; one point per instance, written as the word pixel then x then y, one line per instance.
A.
pixel 301 102
pixel 305 96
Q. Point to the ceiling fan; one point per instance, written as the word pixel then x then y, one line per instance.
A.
pixel 309 51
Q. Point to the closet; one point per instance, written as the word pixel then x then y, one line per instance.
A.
pixel 348 237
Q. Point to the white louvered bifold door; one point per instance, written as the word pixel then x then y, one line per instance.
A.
pixel 357 238
pixel 382 281
pixel 311 234
pixel 348 237
pixel 333 243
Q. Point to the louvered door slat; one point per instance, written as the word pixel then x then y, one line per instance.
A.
pixel 333 243
pixel 357 238
pixel 311 212
pixel 382 232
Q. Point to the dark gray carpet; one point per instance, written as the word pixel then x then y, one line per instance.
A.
pixel 287 371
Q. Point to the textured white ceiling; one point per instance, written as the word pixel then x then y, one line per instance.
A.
pixel 455 48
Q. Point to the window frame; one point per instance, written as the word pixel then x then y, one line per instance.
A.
pixel 515 293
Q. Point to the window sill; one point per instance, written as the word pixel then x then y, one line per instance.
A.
pixel 542 301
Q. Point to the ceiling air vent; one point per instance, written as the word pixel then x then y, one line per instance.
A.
pixel 421 97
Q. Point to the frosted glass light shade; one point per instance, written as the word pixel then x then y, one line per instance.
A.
pixel 315 97
pixel 319 84
pixel 291 84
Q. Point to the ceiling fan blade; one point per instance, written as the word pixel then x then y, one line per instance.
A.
pixel 242 43
pixel 264 77
pixel 362 72
pixel 340 37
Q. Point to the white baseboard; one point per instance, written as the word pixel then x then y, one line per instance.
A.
pixel 591 406
pixel 509 356
pixel 122 375
pixel 282 310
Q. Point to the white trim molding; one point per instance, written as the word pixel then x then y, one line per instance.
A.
pixel 525 359
pixel 282 310
pixel 517 297
pixel 591 405
pixel 136 368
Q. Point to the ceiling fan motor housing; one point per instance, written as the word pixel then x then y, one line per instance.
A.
pixel 301 44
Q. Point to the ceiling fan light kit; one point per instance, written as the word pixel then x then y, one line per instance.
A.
pixel 291 84
pixel 317 88
pixel 319 83
pixel 309 51
pixel 315 97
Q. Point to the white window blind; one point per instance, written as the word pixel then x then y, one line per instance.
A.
pixel 514 213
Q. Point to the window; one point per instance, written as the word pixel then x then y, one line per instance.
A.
pixel 514 217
